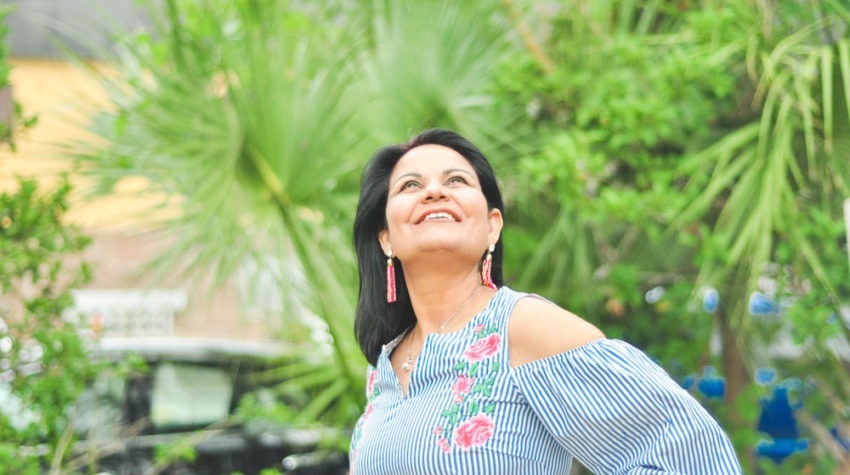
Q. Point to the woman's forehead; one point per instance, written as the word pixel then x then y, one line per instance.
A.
pixel 431 157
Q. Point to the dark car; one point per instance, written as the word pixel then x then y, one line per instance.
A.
pixel 184 401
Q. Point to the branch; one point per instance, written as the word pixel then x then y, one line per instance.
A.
pixel 530 41
pixel 822 435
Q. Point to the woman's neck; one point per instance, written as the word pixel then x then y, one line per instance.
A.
pixel 437 297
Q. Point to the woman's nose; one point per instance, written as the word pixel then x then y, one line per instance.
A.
pixel 434 191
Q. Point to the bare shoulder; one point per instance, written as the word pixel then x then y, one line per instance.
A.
pixel 539 329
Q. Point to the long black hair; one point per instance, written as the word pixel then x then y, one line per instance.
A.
pixel 377 322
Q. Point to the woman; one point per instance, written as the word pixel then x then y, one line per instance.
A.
pixel 469 376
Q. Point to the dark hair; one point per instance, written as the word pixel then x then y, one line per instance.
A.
pixel 376 322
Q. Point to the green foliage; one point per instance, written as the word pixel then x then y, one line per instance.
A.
pixel 662 144
pixel 620 108
pixel 253 119
pixel 247 127
pixel 681 145
pixel 167 454
pixel 17 119
pixel 4 46
pixel 45 362
pixel 427 65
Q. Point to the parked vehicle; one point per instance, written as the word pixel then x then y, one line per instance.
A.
pixel 187 397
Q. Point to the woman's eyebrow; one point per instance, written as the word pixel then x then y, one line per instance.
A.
pixel 408 174
pixel 449 171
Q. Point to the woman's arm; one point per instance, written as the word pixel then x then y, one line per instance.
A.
pixel 607 403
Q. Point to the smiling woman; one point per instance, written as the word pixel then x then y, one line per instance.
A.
pixel 469 376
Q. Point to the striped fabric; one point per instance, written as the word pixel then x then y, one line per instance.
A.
pixel 467 412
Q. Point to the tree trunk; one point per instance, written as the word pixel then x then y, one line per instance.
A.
pixel 734 368
pixel 737 379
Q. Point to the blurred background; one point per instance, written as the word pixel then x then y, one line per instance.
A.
pixel 675 171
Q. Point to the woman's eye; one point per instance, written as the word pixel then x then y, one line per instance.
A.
pixel 409 184
pixel 456 179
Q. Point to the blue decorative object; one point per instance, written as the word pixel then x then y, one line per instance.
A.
pixel 777 420
pixel 654 294
pixel 780 449
pixel 711 385
pixel 763 304
pixel 777 415
pixel 689 381
pixel 710 300
pixel 765 376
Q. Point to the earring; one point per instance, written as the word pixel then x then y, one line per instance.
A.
pixel 390 276
pixel 486 266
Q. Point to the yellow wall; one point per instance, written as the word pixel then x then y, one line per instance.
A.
pixel 64 96
pixel 56 92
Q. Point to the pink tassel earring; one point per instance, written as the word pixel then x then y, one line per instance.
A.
pixel 486 279
pixel 391 296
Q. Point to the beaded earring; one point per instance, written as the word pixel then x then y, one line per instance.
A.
pixel 391 294
pixel 486 266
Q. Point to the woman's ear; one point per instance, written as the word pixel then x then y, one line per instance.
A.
pixel 494 218
pixel 384 239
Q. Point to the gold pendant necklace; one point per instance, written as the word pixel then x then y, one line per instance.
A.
pixel 407 364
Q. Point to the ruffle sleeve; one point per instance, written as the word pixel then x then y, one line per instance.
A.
pixel 618 412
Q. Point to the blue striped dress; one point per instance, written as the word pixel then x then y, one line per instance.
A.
pixel 468 412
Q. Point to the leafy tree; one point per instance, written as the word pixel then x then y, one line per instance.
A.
pixel 44 363
pixel 682 145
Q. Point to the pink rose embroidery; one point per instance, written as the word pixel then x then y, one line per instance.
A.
pixel 463 384
pixel 444 445
pixel 479 328
pixel 474 431
pixel 483 348
pixel 370 383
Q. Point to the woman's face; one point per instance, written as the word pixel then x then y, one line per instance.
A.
pixel 435 204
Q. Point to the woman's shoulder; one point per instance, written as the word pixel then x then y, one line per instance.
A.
pixel 539 328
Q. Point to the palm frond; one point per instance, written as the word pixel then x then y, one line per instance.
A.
pixel 431 67
pixel 250 127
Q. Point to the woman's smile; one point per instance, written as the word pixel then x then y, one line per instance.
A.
pixel 438 216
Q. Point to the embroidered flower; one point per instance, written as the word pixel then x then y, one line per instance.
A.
pixel 370 383
pixel 474 431
pixel 468 422
pixel 463 384
pixel 483 348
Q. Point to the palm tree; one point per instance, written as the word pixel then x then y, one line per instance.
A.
pixel 254 118
pixel 240 116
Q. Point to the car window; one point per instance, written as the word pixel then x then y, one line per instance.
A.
pixel 189 395
pixel 99 410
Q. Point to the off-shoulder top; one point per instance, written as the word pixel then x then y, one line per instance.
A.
pixel 468 412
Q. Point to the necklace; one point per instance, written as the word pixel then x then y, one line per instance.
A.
pixel 407 365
